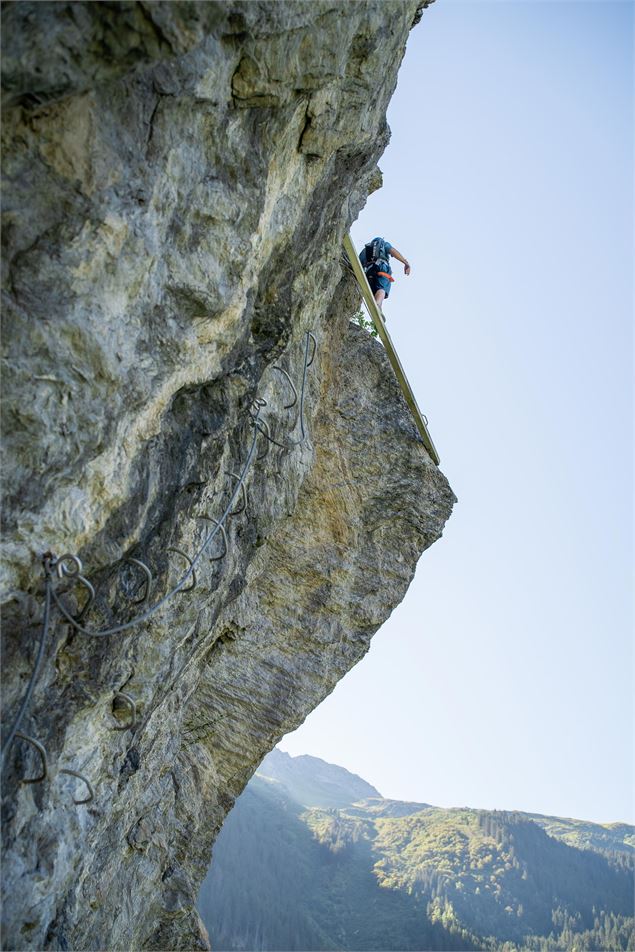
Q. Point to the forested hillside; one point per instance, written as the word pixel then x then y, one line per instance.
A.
pixel 382 874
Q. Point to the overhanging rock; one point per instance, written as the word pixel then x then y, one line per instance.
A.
pixel 178 180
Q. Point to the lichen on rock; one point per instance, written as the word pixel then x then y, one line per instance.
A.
pixel 178 179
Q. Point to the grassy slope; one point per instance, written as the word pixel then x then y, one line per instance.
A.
pixel 378 874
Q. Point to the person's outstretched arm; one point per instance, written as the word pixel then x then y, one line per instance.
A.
pixel 400 257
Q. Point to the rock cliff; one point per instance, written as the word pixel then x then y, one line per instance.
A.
pixel 183 387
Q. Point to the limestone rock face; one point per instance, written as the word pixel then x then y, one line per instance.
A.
pixel 178 179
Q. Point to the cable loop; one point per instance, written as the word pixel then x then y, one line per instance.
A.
pixel 76 773
pixel 132 708
pixel 144 616
pixel 146 583
pixel 69 566
pixel 217 558
pixel 307 363
pixel 91 595
pixel 36 667
pixel 65 571
pixel 315 345
pixel 287 406
pixel 268 435
pixel 184 555
pixel 41 751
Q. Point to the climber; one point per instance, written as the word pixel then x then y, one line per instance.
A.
pixel 374 258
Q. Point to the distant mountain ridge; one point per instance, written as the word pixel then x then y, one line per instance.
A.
pixel 312 857
pixel 313 782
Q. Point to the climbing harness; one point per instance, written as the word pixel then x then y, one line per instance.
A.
pixel 69 567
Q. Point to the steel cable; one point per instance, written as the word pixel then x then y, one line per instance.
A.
pixel 307 363
pixel 144 616
pixel 36 667
pixel 50 562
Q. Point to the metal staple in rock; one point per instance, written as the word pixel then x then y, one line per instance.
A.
pixel 70 566
pixel 307 363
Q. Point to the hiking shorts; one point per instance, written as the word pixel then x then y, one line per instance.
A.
pixel 378 283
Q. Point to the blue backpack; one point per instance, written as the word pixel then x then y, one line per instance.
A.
pixel 375 256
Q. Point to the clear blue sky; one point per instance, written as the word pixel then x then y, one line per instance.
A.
pixel 505 679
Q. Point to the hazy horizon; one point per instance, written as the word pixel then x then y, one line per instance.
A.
pixel 450 806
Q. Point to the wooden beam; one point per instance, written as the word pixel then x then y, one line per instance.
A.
pixel 384 336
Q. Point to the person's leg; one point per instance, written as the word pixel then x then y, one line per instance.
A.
pixel 380 294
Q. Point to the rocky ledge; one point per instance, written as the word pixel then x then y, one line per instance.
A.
pixel 179 362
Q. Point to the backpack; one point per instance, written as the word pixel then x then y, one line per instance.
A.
pixel 376 257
